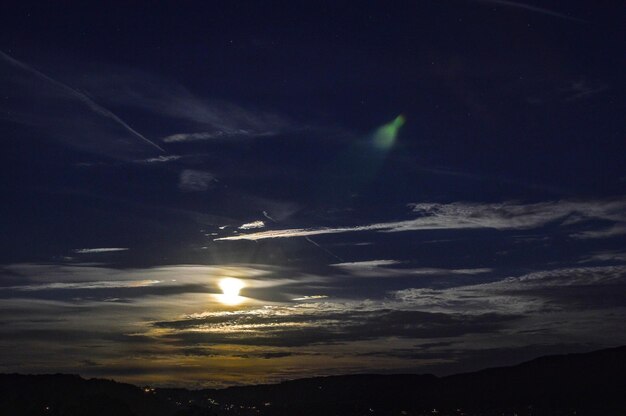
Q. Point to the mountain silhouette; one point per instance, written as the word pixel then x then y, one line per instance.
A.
pixel 574 384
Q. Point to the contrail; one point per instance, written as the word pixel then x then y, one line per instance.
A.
pixel 325 249
pixel 307 239
pixel 525 6
pixel 80 96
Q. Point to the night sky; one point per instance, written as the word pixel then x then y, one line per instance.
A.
pixel 416 186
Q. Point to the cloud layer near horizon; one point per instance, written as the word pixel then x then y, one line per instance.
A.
pixel 175 312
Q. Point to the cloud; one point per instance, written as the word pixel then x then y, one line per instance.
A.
pixel 98 250
pixel 266 215
pixel 108 284
pixel 569 91
pixel 66 92
pixel 459 215
pixel 251 225
pixel 614 231
pixel 324 324
pixel 367 264
pixel 311 297
pixel 266 355
pixel 174 317
pixel 583 89
pixel 537 292
pixel 69 114
pixel 189 137
pixel 309 321
pixel 210 118
pixel 531 8
pixel 295 232
pixel 384 268
pixel 510 215
pixel 219 134
pixel 91 276
pixel 195 180
pixel 610 255
pixel 159 159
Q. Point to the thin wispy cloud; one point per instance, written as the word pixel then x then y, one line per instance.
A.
pixel 175 279
pixel 457 216
pixel 210 118
pixel 99 250
pixel 535 292
pixel 367 264
pixel 159 159
pixel 90 103
pixel 218 135
pixel 192 180
pixel 613 231
pixel 323 323
pixel 310 297
pixel 604 256
pixel 582 89
pixel 531 8
pixel 190 137
pixel 266 215
pixel 109 284
pixel 390 268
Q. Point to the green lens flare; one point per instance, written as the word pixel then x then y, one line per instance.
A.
pixel 386 135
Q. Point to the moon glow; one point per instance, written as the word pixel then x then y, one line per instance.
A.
pixel 231 287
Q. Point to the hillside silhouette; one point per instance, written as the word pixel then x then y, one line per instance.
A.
pixel 581 384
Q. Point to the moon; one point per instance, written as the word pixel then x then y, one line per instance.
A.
pixel 230 291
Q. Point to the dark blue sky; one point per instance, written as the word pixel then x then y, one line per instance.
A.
pixel 428 186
